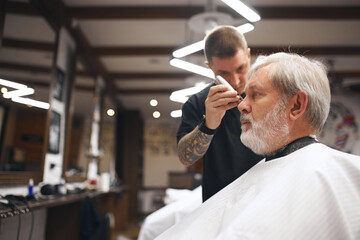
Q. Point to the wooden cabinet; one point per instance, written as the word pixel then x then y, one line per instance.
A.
pixel 60 218
pixel 64 214
pixel 129 155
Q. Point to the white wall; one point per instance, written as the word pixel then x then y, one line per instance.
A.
pixel 160 153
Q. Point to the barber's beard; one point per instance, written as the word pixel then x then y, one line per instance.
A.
pixel 268 133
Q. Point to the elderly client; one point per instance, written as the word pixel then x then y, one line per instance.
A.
pixel 302 189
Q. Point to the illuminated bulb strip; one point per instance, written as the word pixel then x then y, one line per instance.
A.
pixel 31 102
pixel 182 52
pixel 19 93
pixel 197 46
pixel 12 84
pixel 176 113
pixel 182 95
pixel 22 90
pixel 178 98
pixel 243 10
pixel 247 27
pixel 192 67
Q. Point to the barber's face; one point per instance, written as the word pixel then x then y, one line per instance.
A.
pixel 233 69
pixel 263 115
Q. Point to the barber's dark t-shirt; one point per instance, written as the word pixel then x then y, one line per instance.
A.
pixel 227 158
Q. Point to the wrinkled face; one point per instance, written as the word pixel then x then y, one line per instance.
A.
pixel 263 115
pixel 233 69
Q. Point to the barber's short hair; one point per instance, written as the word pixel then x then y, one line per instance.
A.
pixel 224 42
pixel 291 73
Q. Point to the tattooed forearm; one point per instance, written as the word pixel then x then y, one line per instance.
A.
pixel 193 146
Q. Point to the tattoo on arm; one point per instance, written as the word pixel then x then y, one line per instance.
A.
pixel 193 146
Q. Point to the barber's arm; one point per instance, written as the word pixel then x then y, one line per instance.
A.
pixel 218 101
pixel 194 145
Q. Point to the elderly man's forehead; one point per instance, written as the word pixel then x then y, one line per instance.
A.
pixel 259 77
pixel 264 71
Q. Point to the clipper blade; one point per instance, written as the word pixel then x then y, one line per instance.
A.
pixel 240 99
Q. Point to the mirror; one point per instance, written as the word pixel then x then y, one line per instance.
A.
pixel 23 139
pixel 26 57
pixel 76 166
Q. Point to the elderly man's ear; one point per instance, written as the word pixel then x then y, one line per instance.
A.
pixel 297 105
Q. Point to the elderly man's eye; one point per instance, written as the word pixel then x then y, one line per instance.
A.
pixel 255 94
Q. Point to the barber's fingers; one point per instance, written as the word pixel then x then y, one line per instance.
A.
pixel 230 106
pixel 220 89
pixel 230 96
pixel 215 113
pixel 219 99
pixel 224 102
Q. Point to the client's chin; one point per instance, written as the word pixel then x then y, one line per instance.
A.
pixel 257 145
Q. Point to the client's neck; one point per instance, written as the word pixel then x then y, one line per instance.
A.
pixel 290 147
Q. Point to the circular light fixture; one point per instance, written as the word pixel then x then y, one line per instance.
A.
pixel 153 102
pixel 110 112
pixel 4 90
pixel 156 114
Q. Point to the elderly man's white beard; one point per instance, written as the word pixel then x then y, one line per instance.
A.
pixel 268 133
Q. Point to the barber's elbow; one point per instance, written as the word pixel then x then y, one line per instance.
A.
pixel 184 159
pixel 185 162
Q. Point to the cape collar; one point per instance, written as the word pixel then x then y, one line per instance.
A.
pixel 291 147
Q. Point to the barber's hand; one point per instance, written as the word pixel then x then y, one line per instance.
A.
pixel 218 101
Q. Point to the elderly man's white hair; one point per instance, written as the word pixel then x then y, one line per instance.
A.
pixel 291 73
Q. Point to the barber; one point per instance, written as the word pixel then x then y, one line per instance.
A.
pixel 209 126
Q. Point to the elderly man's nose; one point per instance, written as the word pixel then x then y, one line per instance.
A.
pixel 243 107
